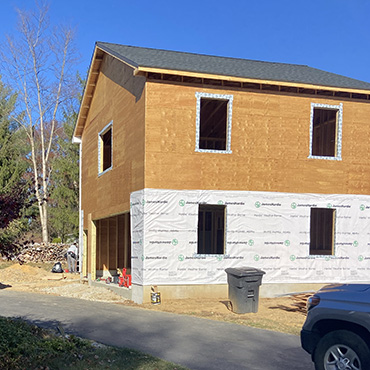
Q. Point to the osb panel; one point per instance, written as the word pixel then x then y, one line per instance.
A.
pixel 269 141
pixel 118 97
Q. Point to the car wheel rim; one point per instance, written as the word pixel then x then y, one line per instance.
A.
pixel 341 357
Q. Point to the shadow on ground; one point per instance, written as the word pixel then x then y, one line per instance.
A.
pixel 4 286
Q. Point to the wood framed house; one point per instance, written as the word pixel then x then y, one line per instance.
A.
pixel 191 164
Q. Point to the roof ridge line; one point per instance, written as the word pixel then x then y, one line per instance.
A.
pixel 205 55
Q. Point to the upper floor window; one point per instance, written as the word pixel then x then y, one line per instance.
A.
pixel 326 131
pixel 105 148
pixel 213 122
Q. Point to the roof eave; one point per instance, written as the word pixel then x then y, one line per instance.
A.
pixel 91 81
pixel 144 69
pixel 84 106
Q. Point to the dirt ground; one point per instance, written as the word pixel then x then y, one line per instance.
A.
pixel 278 314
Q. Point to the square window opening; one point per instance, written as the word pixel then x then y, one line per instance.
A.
pixel 322 231
pixel 211 229
pixel 213 124
pixel 324 132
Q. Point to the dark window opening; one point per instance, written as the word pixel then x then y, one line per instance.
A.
pixel 213 124
pixel 322 231
pixel 324 133
pixel 211 229
pixel 107 149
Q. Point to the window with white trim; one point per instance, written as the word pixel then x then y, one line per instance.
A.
pixel 326 131
pixel 322 231
pixel 213 122
pixel 105 146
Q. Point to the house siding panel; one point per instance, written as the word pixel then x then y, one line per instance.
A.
pixel 119 97
pixel 269 141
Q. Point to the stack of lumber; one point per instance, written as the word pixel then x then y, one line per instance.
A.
pixel 42 253
pixel 300 300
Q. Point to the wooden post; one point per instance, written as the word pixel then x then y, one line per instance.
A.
pixel 125 240
pixel 84 253
pixel 108 244
pixel 116 245
pixel 92 248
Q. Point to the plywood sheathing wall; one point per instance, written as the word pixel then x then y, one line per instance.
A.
pixel 269 142
pixel 118 98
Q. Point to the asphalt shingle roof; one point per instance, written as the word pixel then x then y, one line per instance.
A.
pixel 244 68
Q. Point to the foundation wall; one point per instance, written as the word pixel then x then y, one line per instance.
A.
pixel 142 294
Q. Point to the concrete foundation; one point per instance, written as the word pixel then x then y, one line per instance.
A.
pixel 142 294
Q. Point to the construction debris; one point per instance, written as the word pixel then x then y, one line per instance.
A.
pixel 300 301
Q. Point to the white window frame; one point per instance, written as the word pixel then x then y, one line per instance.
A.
pixel 109 126
pixel 338 156
pixel 199 96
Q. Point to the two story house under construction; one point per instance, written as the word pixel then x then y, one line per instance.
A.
pixel 191 164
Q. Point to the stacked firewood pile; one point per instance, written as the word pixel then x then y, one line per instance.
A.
pixel 41 253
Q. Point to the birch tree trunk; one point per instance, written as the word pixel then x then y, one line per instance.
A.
pixel 37 62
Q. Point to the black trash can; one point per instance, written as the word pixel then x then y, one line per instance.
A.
pixel 244 283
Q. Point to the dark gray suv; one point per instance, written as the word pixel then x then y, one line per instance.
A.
pixel 337 328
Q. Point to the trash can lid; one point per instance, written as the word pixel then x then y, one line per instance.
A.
pixel 244 271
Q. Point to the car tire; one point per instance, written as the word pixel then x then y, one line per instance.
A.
pixel 344 347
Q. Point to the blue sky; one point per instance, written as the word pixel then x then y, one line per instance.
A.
pixel 333 35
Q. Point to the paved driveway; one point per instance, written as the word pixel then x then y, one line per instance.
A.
pixel 199 344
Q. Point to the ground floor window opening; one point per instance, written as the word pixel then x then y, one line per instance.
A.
pixel 322 231
pixel 211 229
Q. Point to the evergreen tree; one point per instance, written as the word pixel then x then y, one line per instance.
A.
pixel 12 143
pixel 14 189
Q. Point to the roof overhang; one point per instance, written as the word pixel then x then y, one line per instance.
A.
pixel 101 51
pixel 88 93
pixel 141 70
pixel 92 79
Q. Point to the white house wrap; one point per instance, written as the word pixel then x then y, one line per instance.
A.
pixel 270 231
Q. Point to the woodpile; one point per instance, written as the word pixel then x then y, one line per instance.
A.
pixel 41 253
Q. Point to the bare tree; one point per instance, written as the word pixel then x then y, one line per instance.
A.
pixel 38 63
